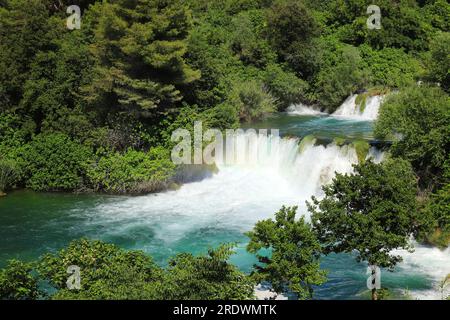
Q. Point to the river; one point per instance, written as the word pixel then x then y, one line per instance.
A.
pixel 221 208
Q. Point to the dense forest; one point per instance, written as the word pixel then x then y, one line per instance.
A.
pixel 93 110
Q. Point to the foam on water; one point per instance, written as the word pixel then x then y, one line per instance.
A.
pixel 303 110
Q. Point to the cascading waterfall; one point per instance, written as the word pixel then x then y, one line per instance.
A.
pixel 349 109
pixel 205 213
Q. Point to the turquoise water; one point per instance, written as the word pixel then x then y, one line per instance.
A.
pixel 206 213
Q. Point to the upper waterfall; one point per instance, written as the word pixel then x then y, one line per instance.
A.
pixel 365 110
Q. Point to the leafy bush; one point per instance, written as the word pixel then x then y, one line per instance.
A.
pixel 209 277
pixel 8 174
pixel 439 61
pixel 291 27
pixel 132 171
pixel 17 282
pixel 391 67
pixel 252 100
pixel 106 271
pixel 54 162
pixel 342 74
pixel 285 86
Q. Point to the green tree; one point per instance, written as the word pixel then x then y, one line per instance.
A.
pixel 417 121
pixel 292 27
pixel 106 272
pixel 293 263
pixel 139 49
pixel 25 29
pixel 439 62
pixel 370 212
pixel 209 277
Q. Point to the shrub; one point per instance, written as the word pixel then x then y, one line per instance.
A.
pixel 439 62
pixel 391 67
pixel 285 86
pixel 53 162
pixel 342 74
pixel 8 174
pixel 17 282
pixel 107 272
pixel 132 171
pixel 252 100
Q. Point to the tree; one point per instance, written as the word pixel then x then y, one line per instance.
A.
pixel 293 263
pixel 208 277
pixel 439 62
pixel 416 120
pixel 292 27
pixel 108 272
pixel 24 30
pixel 371 211
pixel 139 49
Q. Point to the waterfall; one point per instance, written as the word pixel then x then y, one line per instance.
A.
pixel 349 109
pixel 222 207
pixel 304 165
pixel 303 110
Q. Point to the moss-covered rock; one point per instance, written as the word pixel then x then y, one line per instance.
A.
pixel 362 149
pixel 339 141
pixel 306 141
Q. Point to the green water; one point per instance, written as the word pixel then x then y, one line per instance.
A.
pixel 201 215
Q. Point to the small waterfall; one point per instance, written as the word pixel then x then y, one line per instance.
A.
pixel 349 109
pixel 303 110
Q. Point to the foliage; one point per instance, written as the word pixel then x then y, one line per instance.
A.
pixel 342 74
pixel 252 100
pixel 132 171
pixel 416 120
pixel 295 251
pixel 292 27
pixel 54 162
pixel 8 174
pixel 139 50
pixel 106 272
pixel 206 277
pixel 439 62
pixel 17 282
pixel 371 212
pixel 391 67
pixel 285 86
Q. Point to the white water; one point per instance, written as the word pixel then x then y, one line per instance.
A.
pixel 303 110
pixel 350 110
pixel 242 193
